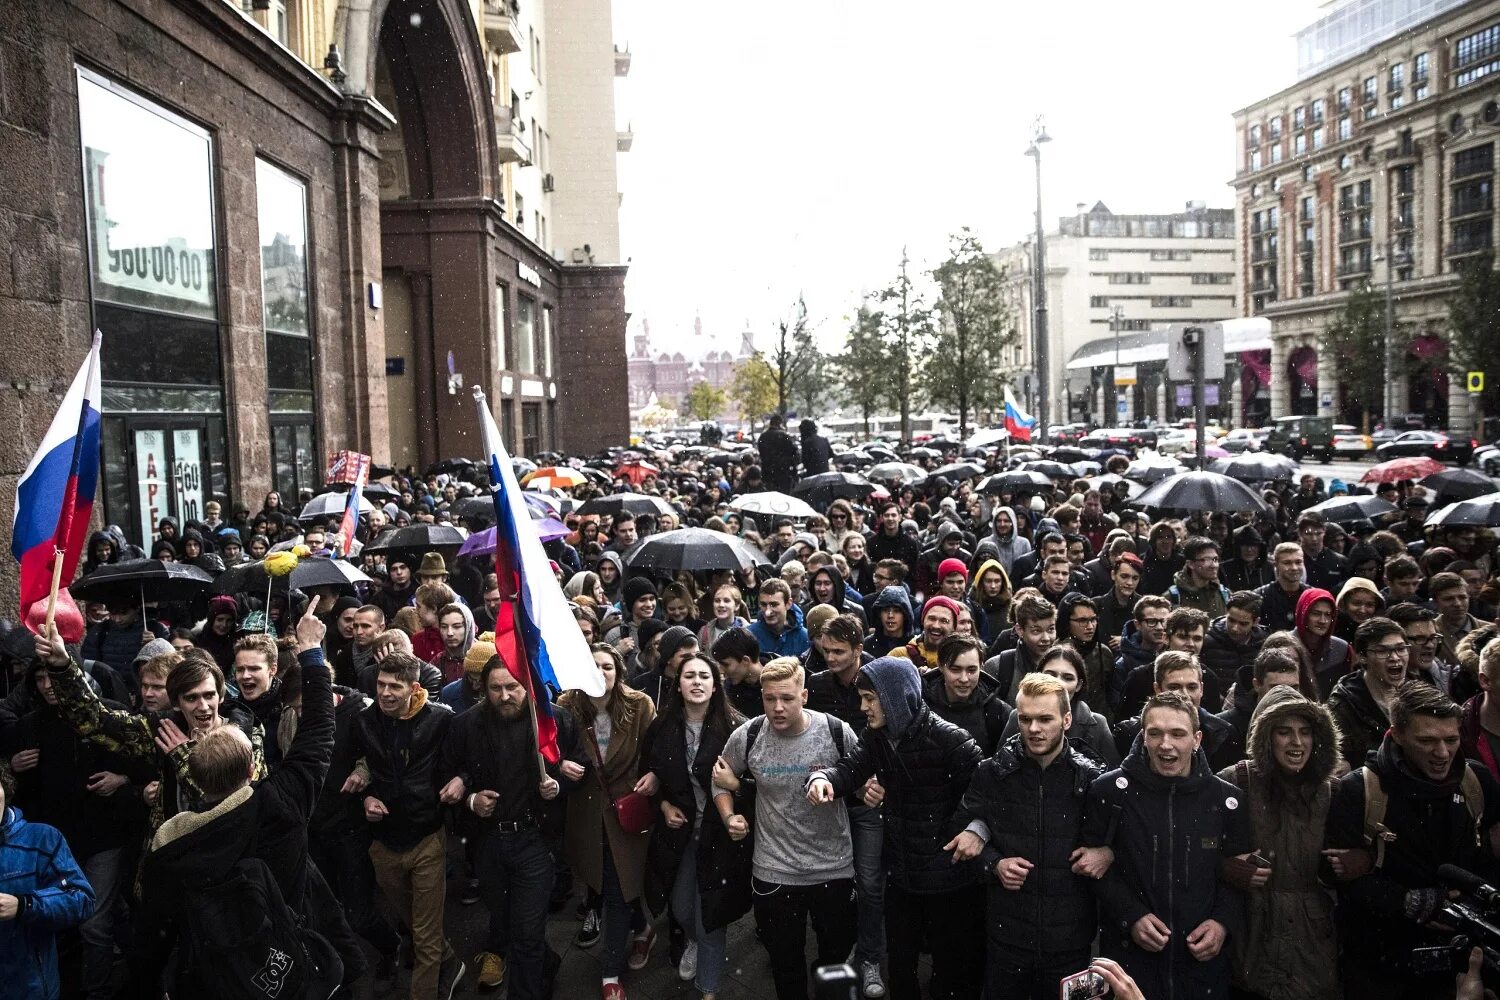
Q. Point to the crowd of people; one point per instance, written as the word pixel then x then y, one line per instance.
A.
pixel 976 741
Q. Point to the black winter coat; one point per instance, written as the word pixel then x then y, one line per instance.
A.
pixel 925 774
pixel 503 758
pixel 816 454
pixel 404 757
pixel 778 459
pixel 1220 744
pixel 1433 826
pixel 982 715
pixel 723 864
pixel 117 647
pixel 336 810
pixel 1361 722
pixel 1038 815
pixel 1168 835
pixel 1278 609
pixel 1224 657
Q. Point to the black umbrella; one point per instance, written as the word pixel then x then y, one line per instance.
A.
pixel 480 508
pixel 853 459
pixel 636 503
pixel 1343 509
pixel 1153 471
pixel 899 473
pixel 959 471
pixel 1016 481
pixel 1481 512
pixel 1051 468
pixel 326 505
pixel 1200 491
pixel 451 466
pixel 694 550
pixel 317 571
pixel 826 487
pixel 142 580
pixel 374 491
pixel 1256 467
pixel 1071 455
pixel 1460 484
pixel 417 538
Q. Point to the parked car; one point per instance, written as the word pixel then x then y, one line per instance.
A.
pixel 1177 440
pixel 1389 430
pixel 1431 444
pixel 1298 437
pixel 1487 457
pixel 1243 439
pixel 1067 433
pixel 1349 442
pixel 1119 437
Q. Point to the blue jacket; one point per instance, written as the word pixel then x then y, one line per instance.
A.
pixel 37 867
pixel 792 641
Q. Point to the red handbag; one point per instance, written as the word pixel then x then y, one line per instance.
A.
pixel 633 810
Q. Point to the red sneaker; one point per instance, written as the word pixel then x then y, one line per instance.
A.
pixel 613 991
pixel 640 949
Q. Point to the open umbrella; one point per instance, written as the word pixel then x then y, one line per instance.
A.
pixel 902 473
pixel 693 550
pixel 637 472
pixel 522 466
pixel 986 437
pixel 1257 467
pixel 959 471
pixel 1343 509
pixel 141 580
pixel 326 505
pixel 374 491
pixel 1051 469
pixel 317 572
pixel 771 502
pixel 636 503
pixel 451 466
pixel 483 542
pixel 921 452
pixel 1072 456
pixel 552 477
pixel 1398 469
pixel 1153 468
pixel 1016 481
pixel 1481 512
pixel 826 487
pixel 417 538
pixel 1460 484
pixel 853 459
pixel 1110 481
pixel 1200 491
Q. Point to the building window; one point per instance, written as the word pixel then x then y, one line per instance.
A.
pixel 1307 173
pixel 1254 159
pixel 1095 253
pixel 1398 101
pixel 1471 201
pixel 1276 149
pixel 281 202
pixel 1171 302
pixel 1299 144
pixel 1274 127
pixel 151 223
pixel 1129 278
pixel 1317 111
pixel 1346 130
pixel 1098 301
pixel 1317 138
pixel 548 345
pixel 1171 255
pixel 1213 279
pixel 531 428
pixel 525 335
pixel 1299 117
pixel 1255 135
pixel 1344 98
pixel 1397 78
pixel 1477 56
pixel 502 332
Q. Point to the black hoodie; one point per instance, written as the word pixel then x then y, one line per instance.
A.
pixel 842 602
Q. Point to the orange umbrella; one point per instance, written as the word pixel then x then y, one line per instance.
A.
pixel 554 477
pixel 637 472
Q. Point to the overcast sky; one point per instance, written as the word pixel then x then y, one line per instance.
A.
pixel 797 146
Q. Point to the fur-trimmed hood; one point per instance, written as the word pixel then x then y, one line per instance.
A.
pixel 1275 707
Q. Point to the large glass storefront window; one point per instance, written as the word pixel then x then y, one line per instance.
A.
pixel 281 201
pixel 148 199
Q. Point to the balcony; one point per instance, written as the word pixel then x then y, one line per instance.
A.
pixel 1354 270
pixel 502 25
pixel 1306 246
pixel 624 139
pixel 622 61
pixel 510 142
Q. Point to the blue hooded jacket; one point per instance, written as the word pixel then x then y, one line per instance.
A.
pixel 37 867
pixel 791 641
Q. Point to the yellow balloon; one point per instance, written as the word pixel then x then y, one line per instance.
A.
pixel 280 563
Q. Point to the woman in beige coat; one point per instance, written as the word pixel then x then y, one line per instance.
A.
pixel 611 861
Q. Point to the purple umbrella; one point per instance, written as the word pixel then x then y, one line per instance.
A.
pixel 483 542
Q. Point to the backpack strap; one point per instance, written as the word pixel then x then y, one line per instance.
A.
pixel 1376 833
pixel 751 735
pixel 836 732
pixel 1473 793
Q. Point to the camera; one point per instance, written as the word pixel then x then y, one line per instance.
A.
pixel 1085 985
pixel 835 982
pixel 1475 918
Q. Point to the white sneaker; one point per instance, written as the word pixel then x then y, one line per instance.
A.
pixel 687 968
pixel 869 976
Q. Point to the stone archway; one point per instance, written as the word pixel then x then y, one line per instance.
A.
pixel 1427 379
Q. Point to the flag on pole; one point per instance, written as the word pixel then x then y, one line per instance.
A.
pixel 1018 423
pixel 551 647
pixel 55 497
pixel 351 508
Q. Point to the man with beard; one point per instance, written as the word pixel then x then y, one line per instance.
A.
pixel 1024 814
pixel 1170 822
pixel 939 619
pixel 504 787
pixel 1361 700
pixel 889 541
pixel 1430 808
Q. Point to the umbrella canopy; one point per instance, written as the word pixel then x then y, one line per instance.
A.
pixel 417 538
pixel 1051 469
pixel 637 472
pixel 374 490
pixel 1072 455
pixel 959 471
pixel 483 542
pixel 924 453
pixel 1110 481
pixel 1344 509
pixel 141 579
pixel 1214 451
pixel 522 466
pixel 451 466
pixel 481 508
pixel 318 572
pixel 897 472
pixel 986 437
pixel 636 503
pixel 826 487
pixel 1481 512
pixel 694 550
pixel 1153 468
pixel 1257 467
pixel 1016 481
pixel 1460 484
pixel 772 503
pixel 326 505
pixel 1398 469
pixel 1201 491
pixel 552 477
pixel 852 459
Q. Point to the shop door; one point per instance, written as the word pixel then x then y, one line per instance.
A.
pixel 156 468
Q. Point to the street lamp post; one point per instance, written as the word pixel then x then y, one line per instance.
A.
pixel 1039 296
pixel 1391 262
pixel 1114 390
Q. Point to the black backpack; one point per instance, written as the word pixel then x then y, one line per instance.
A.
pixel 240 941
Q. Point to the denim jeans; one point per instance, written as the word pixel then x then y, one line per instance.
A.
pixel 687 907
pixel 867 830
pixel 781 914
pixel 515 880
pixel 106 873
pixel 618 916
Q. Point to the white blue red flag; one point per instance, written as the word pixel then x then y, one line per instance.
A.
pixel 1018 423
pixel 55 497
pixel 351 508
pixel 550 645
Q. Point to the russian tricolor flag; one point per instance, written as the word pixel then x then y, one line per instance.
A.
pixel 55 497
pixel 551 646
pixel 1018 423
pixel 350 520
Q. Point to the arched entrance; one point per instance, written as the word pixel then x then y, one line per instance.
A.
pixel 1255 387
pixel 1427 379
pixel 1302 382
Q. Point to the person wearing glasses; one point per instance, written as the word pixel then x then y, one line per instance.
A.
pixel 1080 617
pixel 1421 627
pixel 1360 701
pixel 1197 584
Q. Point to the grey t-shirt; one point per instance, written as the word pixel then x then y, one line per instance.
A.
pixel 796 842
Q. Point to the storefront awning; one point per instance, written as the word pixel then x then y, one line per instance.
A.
pixel 1240 335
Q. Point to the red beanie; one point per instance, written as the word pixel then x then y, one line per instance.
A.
pixel 950 566
pixel 941 602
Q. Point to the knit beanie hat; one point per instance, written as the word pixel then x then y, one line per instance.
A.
pixel 479 654
pixel 673 639
pixel 940 601
pixel 153 649
pixel 636 588
pixel 648 630
pixel 950 566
